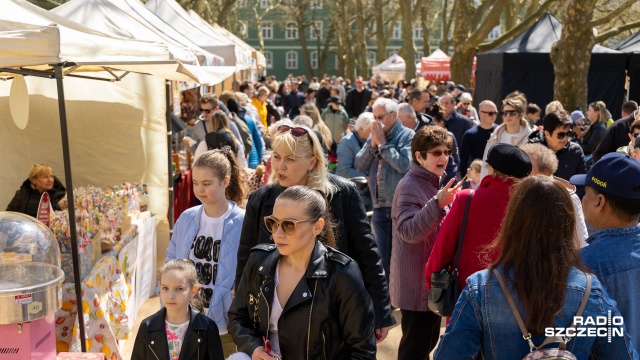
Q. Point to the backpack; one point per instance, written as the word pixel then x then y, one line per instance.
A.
pixel 538 353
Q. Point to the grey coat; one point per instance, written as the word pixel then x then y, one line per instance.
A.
pixel 416 218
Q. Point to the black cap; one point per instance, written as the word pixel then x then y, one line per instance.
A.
pixel 637 143
pixel 509 160
pixel 335 99
pixel 460 87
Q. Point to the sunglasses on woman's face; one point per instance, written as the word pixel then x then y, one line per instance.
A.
pixel 295 131
pixel 510 112
pixel 288 225
pixel 438 153
pixel 561 135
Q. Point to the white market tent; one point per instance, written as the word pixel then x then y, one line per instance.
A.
pixel 260 60
pixel 391 69
pixel 117 129
pixel 173 14
pixel 131 19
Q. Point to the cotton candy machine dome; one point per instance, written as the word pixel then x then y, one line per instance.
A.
pixel 30 274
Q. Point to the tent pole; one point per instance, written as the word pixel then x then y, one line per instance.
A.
pixel 169 151
pixel 71 206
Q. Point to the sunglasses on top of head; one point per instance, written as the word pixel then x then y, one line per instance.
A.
pixel 295 131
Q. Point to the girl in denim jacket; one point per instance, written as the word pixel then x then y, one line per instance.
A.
pixel 541 265
pixel 209 234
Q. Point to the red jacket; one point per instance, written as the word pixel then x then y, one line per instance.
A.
pixel 488 206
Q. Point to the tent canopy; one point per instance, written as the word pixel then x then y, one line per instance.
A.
pixel 87 50
pixel 391 69
pixel 116 17
pixel 28 44
pixel 524 64
pixel 173 14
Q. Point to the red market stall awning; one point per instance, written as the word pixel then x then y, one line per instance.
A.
pixel 436 67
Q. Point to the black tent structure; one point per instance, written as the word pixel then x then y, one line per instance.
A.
pixel 631 47
pixel 524 64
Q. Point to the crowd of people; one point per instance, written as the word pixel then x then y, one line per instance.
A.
pixel 326 204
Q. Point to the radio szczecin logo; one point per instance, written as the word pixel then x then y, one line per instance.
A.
pixel 590 326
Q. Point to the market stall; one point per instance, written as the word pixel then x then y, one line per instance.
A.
pixel 391 69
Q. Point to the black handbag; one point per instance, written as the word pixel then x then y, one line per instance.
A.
pixel 445 289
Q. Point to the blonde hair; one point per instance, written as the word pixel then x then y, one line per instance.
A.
pixel 262 90
pixel 553 106
pixel 40 170
pixel 476 165
pixel 273 128
pixel 241 99
pixel 311 111
pixel 544 159
pixel 300 147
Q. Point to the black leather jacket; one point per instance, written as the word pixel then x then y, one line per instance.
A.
pixel 353 237
pixel 329 315
pixel 201 342
pixel 27 199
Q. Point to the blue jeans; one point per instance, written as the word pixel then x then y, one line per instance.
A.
pixel 381 224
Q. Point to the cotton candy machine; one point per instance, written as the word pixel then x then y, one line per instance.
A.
pixel 30 279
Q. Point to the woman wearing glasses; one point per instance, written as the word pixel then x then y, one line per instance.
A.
pixel 297 159
pixel 300 299
pixel 513 131
pixel 507 165
pixel 418 210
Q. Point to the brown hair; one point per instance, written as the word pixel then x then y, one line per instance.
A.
pixel 518 95
pixel 188 270
pixel 540 249
pixel 311 111
pixel 223 163
pixel 514 102
pixel 601 108
pixel 316 207
pixel 427 138
pixel 209 99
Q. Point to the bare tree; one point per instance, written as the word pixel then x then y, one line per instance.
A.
pixel 259 14
pixel 571 55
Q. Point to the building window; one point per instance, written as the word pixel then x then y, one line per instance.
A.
pixel 314 59
pixel 264 4
pixel 292 60
pixel 291 31
pixel 396 33
pixel 494 34
pixel 241 3
pixel 419 55
pixel 316 30
pixel 267 30
pixel 316 4
pixel 268 55
pixel 371 57
pixel 417 32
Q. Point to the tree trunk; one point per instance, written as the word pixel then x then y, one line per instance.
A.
pixel 361 41
pixel 571 55
pixel 462 65
pixel 424 22
pixel 446 26
pixel 408 50
pixel 350 58
pixel 381 42
pixel 224 12
pixel 303 44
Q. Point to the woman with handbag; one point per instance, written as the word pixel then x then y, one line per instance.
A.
pixel 418 209
pixel 534 289
pixel 299 299
pixel 483 216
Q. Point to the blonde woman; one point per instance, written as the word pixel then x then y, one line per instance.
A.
pixel 319 126
pixel 260 102
pixel 297 159
pixel 27 198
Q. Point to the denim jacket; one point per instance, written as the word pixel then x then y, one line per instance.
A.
pixel 396 156
pixel 614 256
pixel 482 321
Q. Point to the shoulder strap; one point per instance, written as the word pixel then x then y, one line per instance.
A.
pixel 461 238
pixel 204 125
pixel 512 305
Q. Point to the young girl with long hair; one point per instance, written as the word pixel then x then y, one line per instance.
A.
pixel 209 234
pixel 178 331
pixel 301 298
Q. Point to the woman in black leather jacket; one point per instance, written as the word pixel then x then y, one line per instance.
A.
pixel 297 159
pixel 298 298
pixel 27 198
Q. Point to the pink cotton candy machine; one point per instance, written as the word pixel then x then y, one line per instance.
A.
pixel 30 294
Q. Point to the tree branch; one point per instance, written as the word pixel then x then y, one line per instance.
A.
pixel 517 30
pixel 615 31
pixel 480 12
pixel 607 18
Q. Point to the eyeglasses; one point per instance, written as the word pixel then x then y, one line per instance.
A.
pixel 466 104
pixel 635 135
pixel 510 112
pixel 438 153
pixel 208 111
pixel 288 225
pixel 380 117
pixel 561 135
pixel 490 113
pixel 295 131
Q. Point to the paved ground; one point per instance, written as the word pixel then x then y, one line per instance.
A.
pixel 388 350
